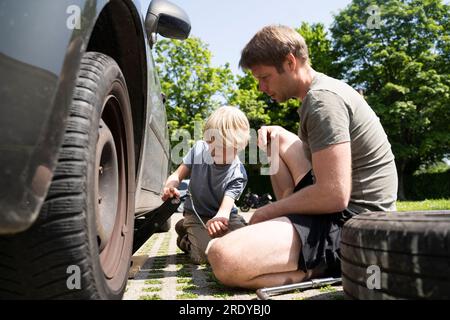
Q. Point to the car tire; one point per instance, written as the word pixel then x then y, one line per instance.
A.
pixel 410 251
pixel 80 246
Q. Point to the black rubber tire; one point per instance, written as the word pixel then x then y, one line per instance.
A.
pixel 411 249
pixel 35 264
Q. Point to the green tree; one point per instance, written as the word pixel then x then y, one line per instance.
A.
pixel 193 87
pixel 401 60
pixel 323 57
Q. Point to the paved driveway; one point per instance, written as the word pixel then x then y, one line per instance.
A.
pixel 162 271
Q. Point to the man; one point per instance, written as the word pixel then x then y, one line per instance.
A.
pixel 341 164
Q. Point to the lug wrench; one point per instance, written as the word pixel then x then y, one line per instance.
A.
pixel 265 293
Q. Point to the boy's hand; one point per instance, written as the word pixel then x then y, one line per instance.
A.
pixel 217 227
pixel 170 193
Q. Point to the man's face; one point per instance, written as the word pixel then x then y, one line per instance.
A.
pixel 276 85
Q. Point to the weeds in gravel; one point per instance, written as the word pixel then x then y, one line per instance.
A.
pixel 150 297
pixel 153 281
pixel 156 271
pixel 187 287
pixel 187 295
pixel 151 289
pixel 327 288
pixel 155 275
pixel 185 280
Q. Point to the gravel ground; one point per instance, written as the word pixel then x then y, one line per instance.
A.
pixel 160 271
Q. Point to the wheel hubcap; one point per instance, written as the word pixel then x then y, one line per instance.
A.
pixel 108 185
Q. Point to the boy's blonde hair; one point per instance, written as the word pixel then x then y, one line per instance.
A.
pixel 229 125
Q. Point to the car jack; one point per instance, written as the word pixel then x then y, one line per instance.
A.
pixel 152 220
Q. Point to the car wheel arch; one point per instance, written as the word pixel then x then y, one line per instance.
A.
pixel 118 33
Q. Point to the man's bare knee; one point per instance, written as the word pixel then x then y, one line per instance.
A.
pixel 223 264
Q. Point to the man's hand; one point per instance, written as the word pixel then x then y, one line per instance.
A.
pixel 170 193
pixel 217 227
pixel 261 214
pixel 268 132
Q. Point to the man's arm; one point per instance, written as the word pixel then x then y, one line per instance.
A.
pixel 330 193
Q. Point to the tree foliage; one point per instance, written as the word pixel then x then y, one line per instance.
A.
pixel 322 56
pixel 193 87
pixel 403 66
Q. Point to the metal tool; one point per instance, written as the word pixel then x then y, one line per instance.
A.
pixel 195 211
pixel 265 293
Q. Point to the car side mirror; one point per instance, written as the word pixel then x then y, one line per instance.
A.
pixel 168 20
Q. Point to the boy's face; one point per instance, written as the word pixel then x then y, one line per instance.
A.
pixel 222 154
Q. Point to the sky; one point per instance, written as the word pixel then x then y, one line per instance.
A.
pixel 227 25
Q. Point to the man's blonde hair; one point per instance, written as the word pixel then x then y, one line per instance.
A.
pixel 230 126
pixel 271 45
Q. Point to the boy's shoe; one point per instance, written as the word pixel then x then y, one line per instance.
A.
pixel 184 244
pixel 180 228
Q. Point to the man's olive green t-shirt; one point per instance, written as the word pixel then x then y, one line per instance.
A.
pixel 333 112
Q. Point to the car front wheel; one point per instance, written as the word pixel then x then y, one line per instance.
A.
pixel 80 246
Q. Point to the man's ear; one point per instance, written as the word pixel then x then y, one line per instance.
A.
pixel 291 62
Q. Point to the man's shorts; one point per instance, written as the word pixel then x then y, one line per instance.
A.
pixel 320 235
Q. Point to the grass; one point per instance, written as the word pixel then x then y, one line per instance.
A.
pixel 187 287
pixel 210 277
pixel 153 281
pixel 440 204
pixel 222 295
pixel 151 289
pixel 184 273
pixel 327 289
pixel 179 251
pixel 150 297
pixel 156 271
pixel 185 280
pixel 187 295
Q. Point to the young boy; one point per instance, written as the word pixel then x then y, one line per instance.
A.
pixel 217 179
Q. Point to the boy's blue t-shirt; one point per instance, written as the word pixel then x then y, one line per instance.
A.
pixel 210 182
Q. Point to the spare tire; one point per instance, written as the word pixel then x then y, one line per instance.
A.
pixel 411 251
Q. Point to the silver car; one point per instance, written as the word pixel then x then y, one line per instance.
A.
pixel 84 142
